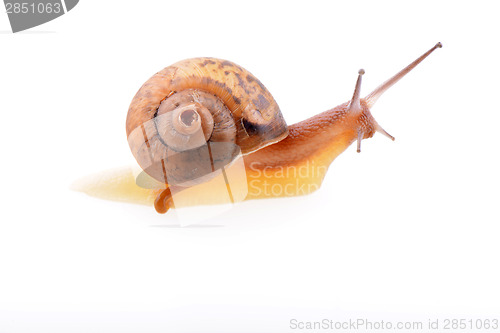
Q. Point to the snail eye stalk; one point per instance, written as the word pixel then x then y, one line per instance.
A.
pixel 375 94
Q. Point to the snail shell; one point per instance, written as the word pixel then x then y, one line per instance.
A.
pixel 196 116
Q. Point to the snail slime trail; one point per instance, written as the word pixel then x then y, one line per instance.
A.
pixel 191 123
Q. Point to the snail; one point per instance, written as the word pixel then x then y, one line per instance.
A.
pixel 198 116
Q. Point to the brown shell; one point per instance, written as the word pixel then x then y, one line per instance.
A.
pixel 258 119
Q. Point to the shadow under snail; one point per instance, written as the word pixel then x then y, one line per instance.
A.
pixel 193 119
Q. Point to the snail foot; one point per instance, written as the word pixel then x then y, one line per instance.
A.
pixel 164 201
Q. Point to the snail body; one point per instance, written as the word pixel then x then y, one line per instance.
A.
pixel 315 143
pixel 198 116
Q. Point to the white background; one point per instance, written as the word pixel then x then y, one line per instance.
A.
pixel 405 230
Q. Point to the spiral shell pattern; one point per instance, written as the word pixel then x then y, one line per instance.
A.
pixel 192 118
